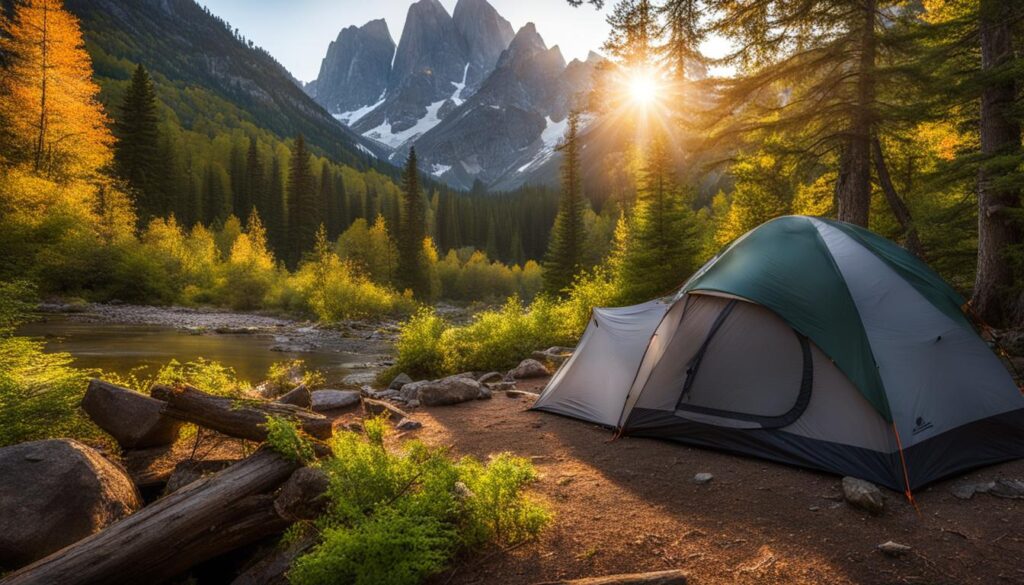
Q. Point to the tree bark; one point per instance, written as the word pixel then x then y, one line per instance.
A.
pixel 674 577
pixel 1000 133
pixel 298 396
pixel 853 189
pixel 207 518
pixel 240 418
pixel 911 241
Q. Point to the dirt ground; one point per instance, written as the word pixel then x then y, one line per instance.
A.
pixel 630 505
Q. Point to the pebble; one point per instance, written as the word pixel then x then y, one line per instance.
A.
pixel 702 478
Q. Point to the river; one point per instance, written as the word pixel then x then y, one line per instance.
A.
pixel 118 340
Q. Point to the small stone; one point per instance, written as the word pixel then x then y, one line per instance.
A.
pixel 814 508
pixel 485 393
pixel 702 478
pixel 863 494
pixel 894 549
pixel 501 386
pixel 966 491
pixel 412 404
pixel 1008 488
pixel 399 381
pixel 408 424
pixel 565 480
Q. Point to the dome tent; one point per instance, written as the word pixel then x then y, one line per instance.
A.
pixel 810 342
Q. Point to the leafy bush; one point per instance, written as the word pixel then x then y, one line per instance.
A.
pixel 498 339
pixel 419 351
pixel 209 376
pixel 39 392
pixel 498 512
pixel 397 518
pixel 285 437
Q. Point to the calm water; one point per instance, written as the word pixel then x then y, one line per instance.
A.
pixel 123 348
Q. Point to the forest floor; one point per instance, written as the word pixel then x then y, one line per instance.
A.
pixel 631 505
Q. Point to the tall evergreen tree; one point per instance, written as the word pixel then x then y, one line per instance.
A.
pixel 137 151
pixel 412 270
pixel 659 250
pixel 303 211
pixel 255 182
pixel 565 246
pixel 326 200
pixel 241 203
pixel 277 219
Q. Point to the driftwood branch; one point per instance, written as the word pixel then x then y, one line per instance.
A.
pixel 379 406
pixel 674 577
pixel 245 419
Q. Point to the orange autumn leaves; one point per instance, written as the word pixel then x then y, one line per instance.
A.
pixel 49 114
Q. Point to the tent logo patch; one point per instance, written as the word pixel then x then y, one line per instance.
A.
pixel 921 425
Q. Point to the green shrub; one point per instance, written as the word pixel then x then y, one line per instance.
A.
pixel 39 392
pixel 498 512
pixel 285 437
pixel 399 517
pixel 388 549
pixel 206 375
pixel 418 344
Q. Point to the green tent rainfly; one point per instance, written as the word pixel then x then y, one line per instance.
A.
pixel 806 341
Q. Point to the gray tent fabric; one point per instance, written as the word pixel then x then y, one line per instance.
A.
pixel 592 384
pixel 713 368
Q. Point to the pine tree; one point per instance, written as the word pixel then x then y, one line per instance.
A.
pixel 50 118
pixel 277 219
pixel 255 182
pixel 241 203
pixel 412 270
pixel 326 202
pixel 634 32
pixel 565 247
pixel 303 211
pixel 659 248
pixel 137 151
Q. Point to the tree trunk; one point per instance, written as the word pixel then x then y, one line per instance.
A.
pixel 205 519
pixel 380 406
pixel 1000 133
pixel 853 190
pixel 245 419
pixel 911 241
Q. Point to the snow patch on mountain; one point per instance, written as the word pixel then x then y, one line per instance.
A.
pixel 438 170
pixel 384 134
pixel 351 117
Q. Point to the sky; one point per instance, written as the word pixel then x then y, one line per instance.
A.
pixel 297 32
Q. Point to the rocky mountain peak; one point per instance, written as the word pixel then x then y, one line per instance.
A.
pixel 486 34
pixel 354 73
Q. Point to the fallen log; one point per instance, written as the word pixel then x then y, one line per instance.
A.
pixel 135 420
pixel 245 419
pixel 202 520
pixel 379 406
pixel 674 577
pixel 271 569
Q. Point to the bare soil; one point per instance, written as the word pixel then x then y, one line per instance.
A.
pixel 631 505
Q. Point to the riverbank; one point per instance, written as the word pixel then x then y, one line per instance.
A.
pixel 122 337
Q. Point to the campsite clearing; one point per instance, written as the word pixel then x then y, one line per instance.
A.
pixel 631 505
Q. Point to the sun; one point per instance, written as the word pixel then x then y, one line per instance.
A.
pixel 643 88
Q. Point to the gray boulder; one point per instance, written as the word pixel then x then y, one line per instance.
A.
pixel 323 400
pixel 399 381
pixel 411 391
pixel 134 420
pixel 863 494
pixel 54 493
pixel 529 368
pixel 447 391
